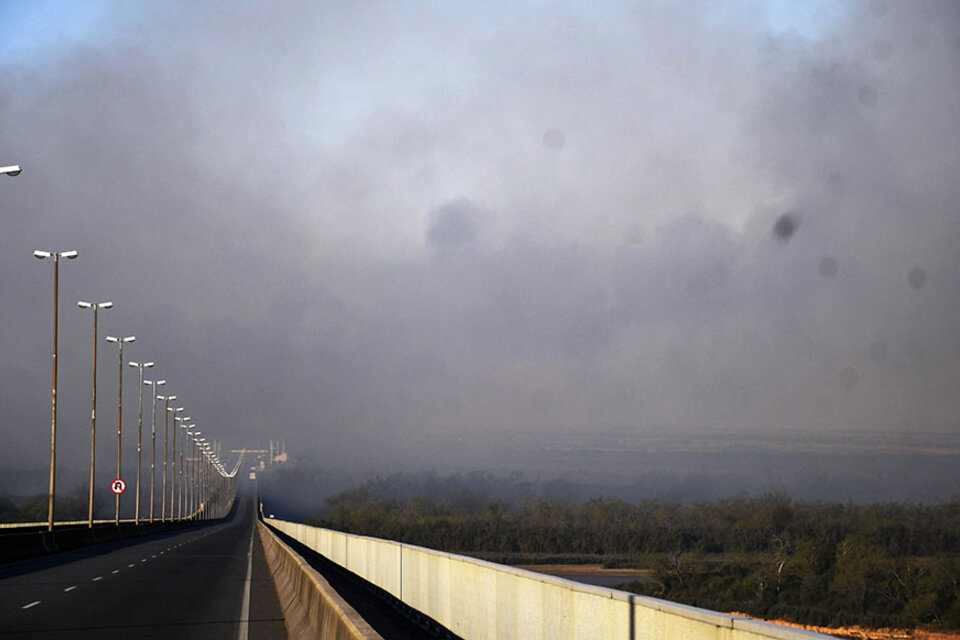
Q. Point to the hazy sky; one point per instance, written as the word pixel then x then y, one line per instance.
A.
pixel 394 219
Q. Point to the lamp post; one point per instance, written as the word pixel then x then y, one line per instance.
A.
pixel 120 342
pixel 96 306
pixel 163 496
pixel 173 460
pixel 183 443
pixel 204 460
pixel 56 317
pixel 177 476
pixel 193 478
pixel 187 441
pixel 153 438
pixel 200 470
pixel 140 367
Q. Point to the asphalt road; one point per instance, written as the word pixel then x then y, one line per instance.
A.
pixel 186 584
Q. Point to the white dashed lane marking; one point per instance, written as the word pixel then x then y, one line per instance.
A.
pixel 32 604
pixel 70 588
pixel 98 578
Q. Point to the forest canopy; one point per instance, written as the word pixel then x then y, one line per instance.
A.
pixel 878 565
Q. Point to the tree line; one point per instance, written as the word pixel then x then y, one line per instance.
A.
pixel 882 564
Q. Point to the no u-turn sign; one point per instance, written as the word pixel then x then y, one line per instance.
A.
pixel 118 486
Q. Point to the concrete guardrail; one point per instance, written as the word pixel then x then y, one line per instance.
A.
pixel 477 599
pixel 311 607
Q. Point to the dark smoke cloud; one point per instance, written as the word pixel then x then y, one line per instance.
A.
pixel 328 223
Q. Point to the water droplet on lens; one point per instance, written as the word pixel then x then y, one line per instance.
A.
pixel 828 266
pixel 917 278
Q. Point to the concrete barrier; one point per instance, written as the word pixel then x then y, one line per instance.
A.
pixel 477 599
pixel 311 607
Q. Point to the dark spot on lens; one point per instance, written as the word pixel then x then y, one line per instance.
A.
pixel 917 278
pixel 633 234
pixel 867 96
pixel 554 139
pixel 828 266
pixel 697 286
pixel 849 378
pixel 836 184
pixel 878 350
pixel 785 226
pixel 881 50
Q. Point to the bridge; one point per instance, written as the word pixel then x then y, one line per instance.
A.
pixel 225 571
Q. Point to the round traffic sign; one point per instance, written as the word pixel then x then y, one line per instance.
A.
pixel 118 486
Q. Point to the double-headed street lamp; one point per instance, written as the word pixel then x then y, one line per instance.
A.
pixel 184 474
pixel 56 317
pixel 120 342
pixel 193 471
pixel 173 457
pixel 140 367
pixel 153 437
pixel 177 472
pixel 197 470
pixel 183 444
pixel 96 306
pixel 163 496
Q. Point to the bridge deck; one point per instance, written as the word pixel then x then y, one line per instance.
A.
pixel 185 584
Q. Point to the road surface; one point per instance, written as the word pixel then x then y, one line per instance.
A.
pixel 187 584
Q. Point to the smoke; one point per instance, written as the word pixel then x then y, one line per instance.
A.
pixel 373 223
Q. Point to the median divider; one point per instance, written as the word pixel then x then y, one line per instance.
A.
pixel 477 599
pixel 311 607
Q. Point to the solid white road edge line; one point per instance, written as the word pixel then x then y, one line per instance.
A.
pixel 243 629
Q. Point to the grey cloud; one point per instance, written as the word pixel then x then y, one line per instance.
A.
pixel 300 271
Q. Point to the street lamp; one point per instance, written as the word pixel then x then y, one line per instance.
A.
pixel 140 367
pixel 56 317
pixel 166 410
pixel 153 438
pixel 193 475
pixel 120 342
pixel 96 306
pixel 173 460
pixel 183 443
pixel 199 479
pixel 11 170
pixel 176 487
pixel 188 475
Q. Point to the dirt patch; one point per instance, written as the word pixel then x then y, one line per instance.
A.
pixel 859 633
